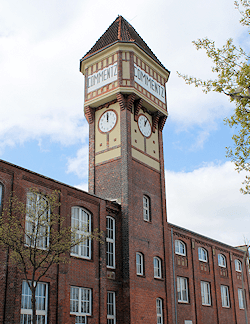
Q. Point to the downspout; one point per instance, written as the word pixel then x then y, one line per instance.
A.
pixel 7 257
pixel 175 305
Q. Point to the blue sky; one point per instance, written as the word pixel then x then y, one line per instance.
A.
pixel 41 99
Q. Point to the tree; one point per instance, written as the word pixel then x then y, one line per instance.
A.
pixel 37 237
pixel 231 64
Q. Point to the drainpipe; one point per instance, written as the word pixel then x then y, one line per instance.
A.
pixel 175 305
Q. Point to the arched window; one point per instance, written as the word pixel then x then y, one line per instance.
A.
pixel 146 208
pixel 157 268
pixel 81 223
pixel 139 264
pixel 180 247
pixel 110 239
pixel 159 311
pixel 202 254
pixel 222 261
pixel 37 221
pixel 238 266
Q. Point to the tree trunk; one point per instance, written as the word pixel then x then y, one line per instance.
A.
pixel 33 304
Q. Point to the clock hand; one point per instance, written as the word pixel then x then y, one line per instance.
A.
pixel 145 123
pixel 107 117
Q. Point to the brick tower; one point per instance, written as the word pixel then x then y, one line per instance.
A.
pixel 125 105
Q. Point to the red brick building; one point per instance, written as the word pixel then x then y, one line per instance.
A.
pixel 149 271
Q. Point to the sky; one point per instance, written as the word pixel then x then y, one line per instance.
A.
pixel 43 128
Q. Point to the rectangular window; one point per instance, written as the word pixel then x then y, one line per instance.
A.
pixel 80 301
pixel 159 311
pixel 111 314
pixel 110 239
pixel 225 296
pixel 240 297
pixel 37 221
pixel 182 289
pixel 146 214
pixel 139 264
pixel 81 222
pixel 205 293
pixel 41 303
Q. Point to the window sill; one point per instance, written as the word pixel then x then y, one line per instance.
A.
pixel 80 257
pixel 157 278
pixel 207 305
pixel 183 302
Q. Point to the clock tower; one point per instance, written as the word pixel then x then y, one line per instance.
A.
pixel 125 105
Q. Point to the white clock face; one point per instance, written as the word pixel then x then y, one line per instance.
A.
pixel 144 125
pixel 107 121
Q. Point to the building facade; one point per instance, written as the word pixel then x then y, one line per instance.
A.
pixel 149 270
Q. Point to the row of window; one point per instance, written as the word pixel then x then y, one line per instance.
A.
pixel 81 221
pixel 180 248
pixel 80 304
pixel 182 292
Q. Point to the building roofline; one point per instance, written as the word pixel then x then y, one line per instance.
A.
pixel 53 180
pixel 205 237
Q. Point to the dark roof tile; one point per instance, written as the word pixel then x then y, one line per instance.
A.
pixel 121 31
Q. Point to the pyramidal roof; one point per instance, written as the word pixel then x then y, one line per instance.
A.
pixel 120 31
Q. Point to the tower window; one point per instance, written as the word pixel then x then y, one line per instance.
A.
pixel 159 311
pixel 110 240
pixel 146 208
pixel 157 268
pixel 81 222
pixel 111 316
pixel 139 264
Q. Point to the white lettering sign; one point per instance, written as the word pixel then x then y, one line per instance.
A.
pixel 149 84
pixel 102 77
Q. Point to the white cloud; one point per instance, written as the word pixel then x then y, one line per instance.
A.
pixel 208 201
pixel 41 88
pixel 79 164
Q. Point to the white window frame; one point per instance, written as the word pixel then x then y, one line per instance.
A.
pixel 182 289
pixel 222 261
pixel 111 308
pixel 159 311
pixel 225 296
pixel 26 306
pixel 81 222
pixel 205 293
pixel 33 218
pixel 139 264
pixel 180 247
pixel 202 254
pixel 110 242
pixel 76 301
pixel 146 208
pixel 238 265
pixel 241 298
pixel 157 268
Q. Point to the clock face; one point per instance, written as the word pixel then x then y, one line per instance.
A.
pixel 107 121
pixel 144 126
